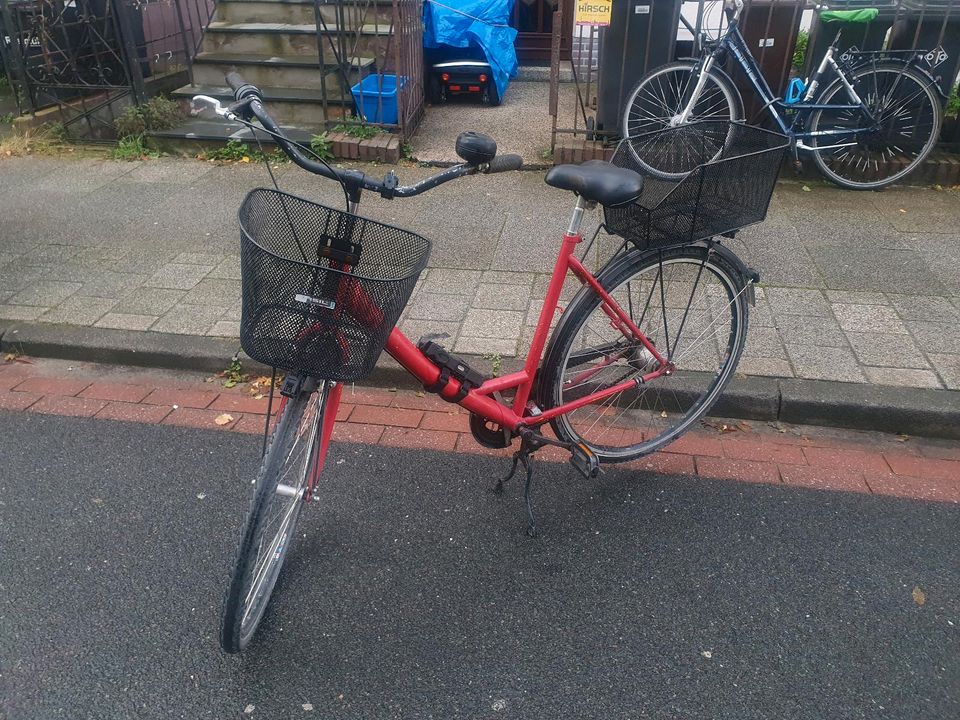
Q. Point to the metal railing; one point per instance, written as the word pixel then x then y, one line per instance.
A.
pixel 607 62
pixel 83 55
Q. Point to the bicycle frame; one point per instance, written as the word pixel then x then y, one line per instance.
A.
pixel 734 42
pixel 521 413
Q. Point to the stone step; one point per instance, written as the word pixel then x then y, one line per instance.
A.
pixel 301 12
pixel 289 39
pixel 209 68
pixel 201 131
pixel 292 106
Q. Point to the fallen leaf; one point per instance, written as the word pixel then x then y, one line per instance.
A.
pixel 223 419
pixel 420 393
pixel 918 597
pixel 902 210
pixel 663 413
pixel 707 654
pixel 307 706
pixel 902 438
pixel 258 396
pixel 245 158
pixel 938 187
pixel 201 496
pixel 744 426
pixel 229 383
pixel 806 188
pixel 249 709
pixel 9 357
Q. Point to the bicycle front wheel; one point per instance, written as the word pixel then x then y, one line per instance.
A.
pixel 660 95
pixel 278 496
pixel 691 304
pixel 906 109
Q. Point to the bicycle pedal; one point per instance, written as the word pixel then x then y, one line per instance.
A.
pixel 585 461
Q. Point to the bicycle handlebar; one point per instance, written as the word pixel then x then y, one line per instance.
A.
pixel 249 98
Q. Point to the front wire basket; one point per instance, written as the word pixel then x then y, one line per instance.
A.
pixel 322 289
pixel 702 179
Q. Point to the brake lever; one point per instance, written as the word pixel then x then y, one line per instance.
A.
pixel 201 103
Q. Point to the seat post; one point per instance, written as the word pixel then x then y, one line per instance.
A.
pixel 577 218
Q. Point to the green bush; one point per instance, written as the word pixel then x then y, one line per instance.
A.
pixel 157 113
pixel 953 103
pixel 132 147
pixel 356 130
pixel 322 146
pixel 800 51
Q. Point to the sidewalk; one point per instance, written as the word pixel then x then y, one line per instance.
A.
pixel 758 452
pixel 857 287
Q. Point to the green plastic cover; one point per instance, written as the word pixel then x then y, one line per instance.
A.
pixel 850 16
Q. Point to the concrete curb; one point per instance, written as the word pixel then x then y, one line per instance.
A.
pixel 912 411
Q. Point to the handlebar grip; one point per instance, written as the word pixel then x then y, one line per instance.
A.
pixel 504 163
pixel 241 88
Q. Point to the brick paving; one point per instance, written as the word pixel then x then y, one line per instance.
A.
pixel 809 457
pixel 857 287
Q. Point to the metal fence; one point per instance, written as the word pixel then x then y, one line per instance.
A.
pixel 786 38
pixel 84 55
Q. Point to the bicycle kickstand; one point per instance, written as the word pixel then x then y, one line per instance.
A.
pixel 524 456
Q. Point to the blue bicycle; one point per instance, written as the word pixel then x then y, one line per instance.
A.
pixel 875 122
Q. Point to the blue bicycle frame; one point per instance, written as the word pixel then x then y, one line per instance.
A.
pixel 734 42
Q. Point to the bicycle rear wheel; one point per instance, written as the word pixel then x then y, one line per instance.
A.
pixel 691 303
pixel 278 496
pixel 907 110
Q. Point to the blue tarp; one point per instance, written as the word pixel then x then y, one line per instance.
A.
pixel 482 23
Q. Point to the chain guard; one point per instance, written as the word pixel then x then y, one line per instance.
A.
pixel 488 433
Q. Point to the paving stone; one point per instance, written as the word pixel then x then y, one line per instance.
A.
pixel 854 297
pixel 48 254
pixel 815 331
pixel 149 301
pixel 936 337
pixel 431 306
pixel 771 367
pixel 188 319
pixel 228 269
pixel 45 293
pixel 124 321
pixel 21 312
pixel 502 297
pixel 763 342
pixel 902 377
pixel 144 260
pixel 948 368
pixel 4 296
pixel 450 281
pixel 868 318
pixel 220 293
pixel 887 350
pixel 816 363
pixel 875 269
pixel 198 258
pixel 502 324
pixel 225 328
pixel 502 277
pixel 232 313
pixel 797 301
pixel 79 310
pixel 925 307
pixel 415 329
pixel 107 284
pixel 761 315
pixel 571 286
pixel 178 276
pixel 486 346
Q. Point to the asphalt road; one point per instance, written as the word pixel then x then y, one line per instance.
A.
pixel 413 592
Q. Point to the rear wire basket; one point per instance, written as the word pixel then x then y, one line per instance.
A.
pixel 322 289
pixel 702 179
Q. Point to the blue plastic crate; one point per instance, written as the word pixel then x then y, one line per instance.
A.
pixel 376 98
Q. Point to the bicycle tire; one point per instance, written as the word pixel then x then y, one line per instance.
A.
pixel 671 98
pixel 240 619
pixel 632 440
pixel 870 182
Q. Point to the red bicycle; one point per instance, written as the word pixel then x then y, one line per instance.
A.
pixel 640 353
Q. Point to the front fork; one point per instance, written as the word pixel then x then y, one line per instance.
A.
pixel 687 111
pixel 330 408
